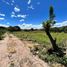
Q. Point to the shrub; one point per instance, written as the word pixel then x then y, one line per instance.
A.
pixel 43 54
pixel 1 33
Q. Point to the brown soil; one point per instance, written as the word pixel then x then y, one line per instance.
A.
pixel 16 53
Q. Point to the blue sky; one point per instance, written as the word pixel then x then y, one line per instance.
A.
pixel 31 13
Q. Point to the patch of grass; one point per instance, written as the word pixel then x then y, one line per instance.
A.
pixel 43 54
pixel 40 36
pixel 1 33
pixel 42 49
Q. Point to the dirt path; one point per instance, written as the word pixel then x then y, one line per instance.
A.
pixel 15 53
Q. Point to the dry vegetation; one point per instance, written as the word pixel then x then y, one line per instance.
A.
pixel 40 36
pixel 44 44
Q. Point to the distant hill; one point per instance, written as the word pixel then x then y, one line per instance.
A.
pixel 1 27
pixel 17 28
pixel 10 28
pixel 59 29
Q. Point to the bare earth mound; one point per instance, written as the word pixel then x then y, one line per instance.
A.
pixel 15 53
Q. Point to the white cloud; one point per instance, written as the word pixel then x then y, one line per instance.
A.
pixel 39 26
pixel 2 14
pixel 22 16
pixel 2 18
pixel 18 16
pixel 6 2
pixel 31 7
pixel 13 14
pixel 22 20
pixel 29 1
pixel 29 26
pixel 4 25
pixel 16 9
pixel 64 23
pixel 13 1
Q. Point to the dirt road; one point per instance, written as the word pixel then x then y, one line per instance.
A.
pixel 15 53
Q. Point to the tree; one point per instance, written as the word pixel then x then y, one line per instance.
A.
pixel 14 28
pixel 47 26
pixel 32 29
pixel 17 28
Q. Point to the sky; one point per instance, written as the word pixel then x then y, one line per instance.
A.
pixel 31 13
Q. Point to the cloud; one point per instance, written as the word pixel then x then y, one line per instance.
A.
pixel 64 23
pixel 29 26
pixel 6 2
pixel 16 9
pixel 2 14
pixel 18 16
pixel 31 7
pixel 2 18
pixel 22 20
pixel 13 1
pixel 39 26
pixel 4 25
pixel 29 1
pixel 21 16
pixel 13 14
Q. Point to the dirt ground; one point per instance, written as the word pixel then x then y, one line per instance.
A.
pixel 16 53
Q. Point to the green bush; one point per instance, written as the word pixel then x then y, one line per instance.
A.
pixel 42 49
pixel 43 54
pixel 54 59
pixel 63 60
pixel 1 33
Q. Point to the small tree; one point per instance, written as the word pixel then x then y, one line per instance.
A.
pixel 47 25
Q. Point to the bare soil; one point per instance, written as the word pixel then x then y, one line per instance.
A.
pixel 16 53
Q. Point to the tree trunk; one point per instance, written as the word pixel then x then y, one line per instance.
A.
pixel 56 49
pixel 53 42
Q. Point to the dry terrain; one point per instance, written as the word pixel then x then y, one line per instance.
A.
pixel 16 53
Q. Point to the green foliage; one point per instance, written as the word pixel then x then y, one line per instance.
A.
pixel 63 60
pixel 41 50
pixel 43 54
pixel 59 29
pixel 2 31
pixel 55 59
pixel 50 58
pixel 51 13
pixel 14 28
pixel 47 25
pixel 40 36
